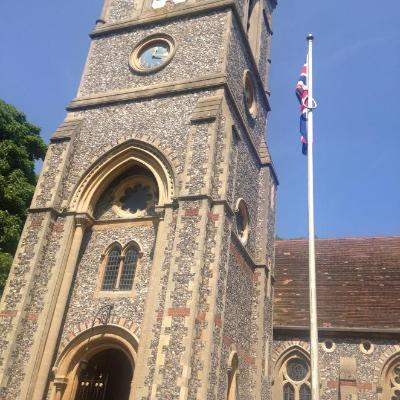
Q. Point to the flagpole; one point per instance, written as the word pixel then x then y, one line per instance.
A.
pixel 311 233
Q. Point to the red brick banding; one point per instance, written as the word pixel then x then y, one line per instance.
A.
pixel 201 316
pixel 213 217
pixel 179 312
pixel 31 316
pixel 58 227
pixel 191 212
pixel 160 315
pixel 8 313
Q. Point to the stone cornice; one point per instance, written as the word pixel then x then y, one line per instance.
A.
pixel 157 90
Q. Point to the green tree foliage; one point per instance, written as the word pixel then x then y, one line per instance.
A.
pixel 20 146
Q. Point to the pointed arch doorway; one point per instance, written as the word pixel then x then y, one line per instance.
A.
pixel 106 376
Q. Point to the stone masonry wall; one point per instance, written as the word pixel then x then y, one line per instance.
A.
pixel 165 121
pixel 368 366
pixel 199 52
pixel 85 300
pixel 238 324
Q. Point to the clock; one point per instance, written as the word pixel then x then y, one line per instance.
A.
pixel 152 54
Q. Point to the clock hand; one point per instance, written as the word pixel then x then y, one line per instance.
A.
pixel 154 54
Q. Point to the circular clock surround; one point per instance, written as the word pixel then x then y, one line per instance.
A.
pixel 152 53
pixel 249 93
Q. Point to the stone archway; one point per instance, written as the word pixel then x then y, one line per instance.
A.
pixel 104 355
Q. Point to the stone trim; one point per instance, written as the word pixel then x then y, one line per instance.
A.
pixel 207 108
pixel 100 174
pixel 167 88
pixel 288 346
pixel 159 89
pixel 67 130
pixel 87 325
pixel 242 251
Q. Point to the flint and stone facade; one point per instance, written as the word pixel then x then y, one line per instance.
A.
pixel 198 313
pixel 193 316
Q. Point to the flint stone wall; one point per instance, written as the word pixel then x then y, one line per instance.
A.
pixel 368 366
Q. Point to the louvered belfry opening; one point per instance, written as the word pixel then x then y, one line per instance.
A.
pixel 106 376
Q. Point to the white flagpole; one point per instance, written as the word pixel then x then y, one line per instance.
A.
pixel 311 233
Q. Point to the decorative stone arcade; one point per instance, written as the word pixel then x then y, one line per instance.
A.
pixel 155 202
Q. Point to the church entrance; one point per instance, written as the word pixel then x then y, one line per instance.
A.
pixel 106 376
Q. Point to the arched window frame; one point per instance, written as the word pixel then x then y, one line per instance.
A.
pixel 283 380
pixel 390 389
pixel 117 290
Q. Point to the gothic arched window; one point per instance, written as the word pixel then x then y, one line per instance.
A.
pixel 112 269
pixel 296 375
pixel 395 382
pixel 128 269
pixel 120 268
pixel 293 377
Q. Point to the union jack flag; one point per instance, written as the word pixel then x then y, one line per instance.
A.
pixel 302 94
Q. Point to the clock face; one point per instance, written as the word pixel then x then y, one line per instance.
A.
pixel 154 55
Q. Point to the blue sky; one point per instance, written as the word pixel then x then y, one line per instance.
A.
pixel 357 127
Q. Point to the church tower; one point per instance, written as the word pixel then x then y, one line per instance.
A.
pixel 145 267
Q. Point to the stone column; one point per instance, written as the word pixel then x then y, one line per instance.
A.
pixel 82 222
pixel 151 322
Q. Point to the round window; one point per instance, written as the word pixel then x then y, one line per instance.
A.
pixel 249 94
pixel 135 197
pixel 328 345
pixel 242 221
pixel 366 347
pixel 297 369
pixel 152 54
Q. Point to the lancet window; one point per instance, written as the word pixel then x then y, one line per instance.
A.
pixel 120 267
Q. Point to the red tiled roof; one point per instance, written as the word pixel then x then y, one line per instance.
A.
pixel 358 282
